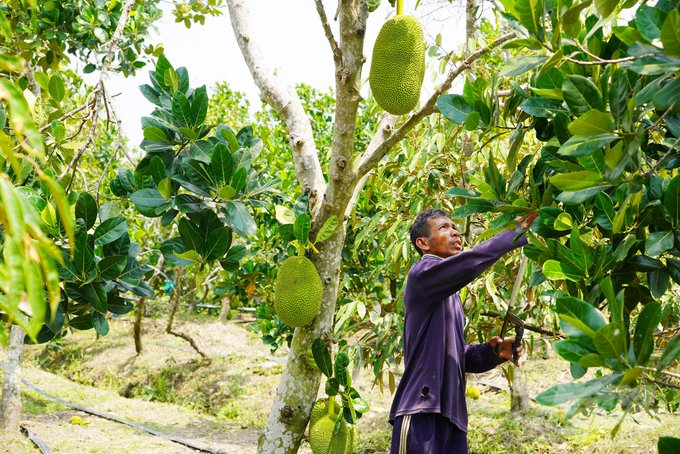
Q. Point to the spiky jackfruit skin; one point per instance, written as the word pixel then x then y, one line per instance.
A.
pixel 319 410
pixel 298 293
pixel 323 441
pixel 398 65
pixel 353 441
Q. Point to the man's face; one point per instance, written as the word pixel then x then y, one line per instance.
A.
pixel 444 240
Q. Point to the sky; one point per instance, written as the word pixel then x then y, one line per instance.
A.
pixel 292 41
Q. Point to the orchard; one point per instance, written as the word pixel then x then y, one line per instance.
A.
pixel 235 281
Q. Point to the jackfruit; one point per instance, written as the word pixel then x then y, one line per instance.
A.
pixel 298 293
pixel 322 439
pixel 319 410
pixel 353 441
pixel 398 65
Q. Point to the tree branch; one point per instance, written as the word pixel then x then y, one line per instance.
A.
pixel 337 56
pixel 284 100
pixel 371 159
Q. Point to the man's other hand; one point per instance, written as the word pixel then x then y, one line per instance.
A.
pixel 506 349
pixel 528 219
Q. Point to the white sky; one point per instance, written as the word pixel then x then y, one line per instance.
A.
pixel 292 41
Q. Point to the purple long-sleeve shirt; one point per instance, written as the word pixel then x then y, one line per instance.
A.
pixel 436 356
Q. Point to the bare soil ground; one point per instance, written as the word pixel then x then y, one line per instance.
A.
pixel 224 403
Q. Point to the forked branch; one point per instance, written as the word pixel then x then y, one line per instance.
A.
pixel 337 56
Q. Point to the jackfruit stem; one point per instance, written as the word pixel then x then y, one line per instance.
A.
pixel 331 405
pixel 400 7
pixel 301 250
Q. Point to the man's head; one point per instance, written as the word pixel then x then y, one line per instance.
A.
pixel 432 232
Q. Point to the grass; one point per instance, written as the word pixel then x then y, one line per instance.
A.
pixel 226 401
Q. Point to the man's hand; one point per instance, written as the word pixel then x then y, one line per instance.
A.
pixel 506 349
pixel 528 219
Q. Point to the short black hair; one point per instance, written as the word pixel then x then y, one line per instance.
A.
pixel 421 227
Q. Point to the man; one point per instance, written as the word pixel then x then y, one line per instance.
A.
pixel 429 412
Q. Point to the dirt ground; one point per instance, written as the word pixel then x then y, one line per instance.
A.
pixel 224 403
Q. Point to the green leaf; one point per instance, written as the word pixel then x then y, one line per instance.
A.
pixel 238 181
pixel 235 254
pixel 111 267
pixel 530 15
pixel 322 356
pixel 56 88
pixel 630 376
pixel 462 192
pixel 86 209
pixel 649 21
pixel 196 172
pixel 83 258
pixel 155 134
pixel 615 301
pixel 670 34
pixel 191 238
pixel 302 227
pixel 221 164
pixel 658 280
pixel 563 222
pixel 165 188
pixel 669 445
pixel 571 350
pixel 147 198
pixel 610 340
pixel 580 315
pixel 341 372
pixel 327 230
pixel 643 339
pixel 472 121
pixel 581 95
pixel 570 391
pixel 171 80
pixel 110 230
pixel 659 242
pixel 583 254
pixel 83 322
pixel 668 95
pixel 584 145
pixel 592 123
pixel 199 107
pixel 606 7
pixel 670 354
pixel 92 293
pixel 576 181
pixel 517 66
pixel 284 215
pixel 454 108
pixel 217 244
pixel 540 107
pixel 552 269
pixel 655 65
pixel 591 360
pixel 241 220
pixel 99 322
pixel 190 256
pixel 187 203
pixel 181 108
pixel 671 200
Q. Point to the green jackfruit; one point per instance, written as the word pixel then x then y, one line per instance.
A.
pixel 398 65
pixel 353 441
pixel 298 293
pixel 319 410
pixel 322 439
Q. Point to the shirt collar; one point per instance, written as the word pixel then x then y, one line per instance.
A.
pixel 432 256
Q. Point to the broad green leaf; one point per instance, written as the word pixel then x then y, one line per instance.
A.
pixel 171 80
pixel 83 258
pixel 591 360
pixel 92 293
pixel 516 66
pixel 670 354
pixel 659 242
pixel 592 123
pixel 111 267
pixel 302 227
pixel 540 107
pixel 86 209
pixel 239 179
pixel 606 7
pixel 563 222
pixel 199 107
pixel 671 200
pixel 570 391
pixel 221 164
pixel 191 238
pixel 659 281
pixel 56 88
pixel 191 256
pixel 581 95
pixel 583 254
pixel 322 356
pixel 530 15
pixel 63 207
pixel 583 145
pixel 615 301
pixel 576 181
pixel 610 340
pixel 155 134
pixel 454 108
pixel 670 34
pixel 157 169
pixel 217 244
pixel 82 322
pixel 110 230
pixel 165 188
pixel 655 65
pixel 240 219
pixel 147 198
pixel 328 228
pixel 630 376
pixel 99 322
pixel 669 445
pixel 571 350
pixel 649 21
pixel 580 315
pixel 643 339
pixel 196 172
pixel 181 108
pixel 235 254
pixel 284 215
pixel 552 269
pixel 341 372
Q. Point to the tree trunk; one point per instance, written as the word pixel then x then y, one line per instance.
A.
pixel 139 315
pixel 176 295
pixel 519 392
pixel 226 306
pixel 10 405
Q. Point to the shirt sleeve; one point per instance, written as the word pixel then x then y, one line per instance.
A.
pixel 438 279
pixel 481 358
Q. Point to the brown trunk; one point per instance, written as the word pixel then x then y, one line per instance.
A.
pixel 519 392
pixel 138 324
pixel 10 404
pixel 176 293
pixel 226 306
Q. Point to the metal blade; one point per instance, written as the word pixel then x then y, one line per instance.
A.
pixel 518 281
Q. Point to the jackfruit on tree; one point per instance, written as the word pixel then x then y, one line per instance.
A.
pixel 298 292
pixel 322 439
pixel 398 65
pixel 319 410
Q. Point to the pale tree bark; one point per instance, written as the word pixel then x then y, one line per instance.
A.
pixel 519 391
pixel 10 404
pixel 300 383
pixel 226 306
pixel 141 304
